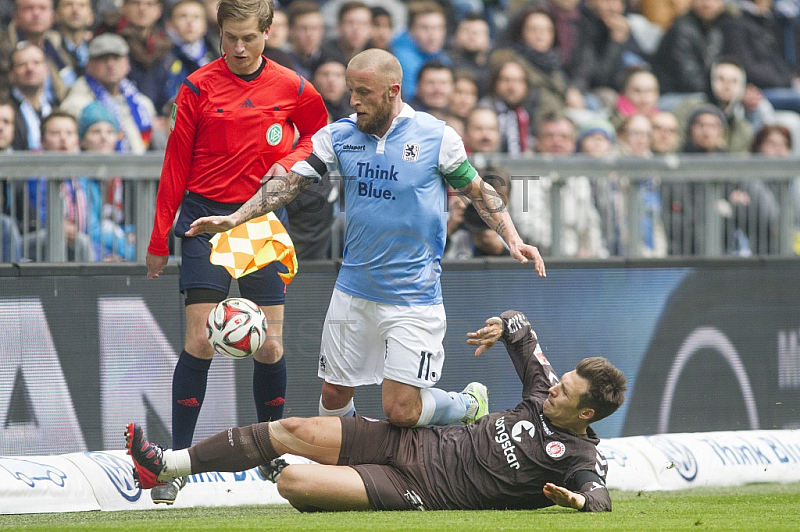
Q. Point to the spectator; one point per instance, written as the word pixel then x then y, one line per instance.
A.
pixel 434 88
pixel 597 138
pixel 758 52
pixel 8 113
pixel 306 30
pixel 606 47
pixel 566 14
pixel 279 31
pixel 74 21
pixel 511 97
pixel 666 133
pixel 98 131
pixel 780 20
pixel 11 242
pixel 31 23
pixel 531 35
pixel 60 134
pixel 706 130
pixel 688 49
pixel 29 74
pixel 639 94
pixel 329 81
pixel 726 91
pixel 482 131
pixel 776 141
pixel 465 94
pixel 685 202
pixel 137 22
pixel 212 33
pixel 277 46
pixel 635 134
pixel 529 200
pixel 423 42
pixel 353 29
pixel 382 28
pixel 664 12
pixel 753 221
pixel 470 48
pixel 105 81
pixel 187 29
pixel 468 235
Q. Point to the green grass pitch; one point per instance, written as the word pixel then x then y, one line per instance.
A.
pixel 768 507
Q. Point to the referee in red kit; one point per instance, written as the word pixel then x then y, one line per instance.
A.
pixel 232 125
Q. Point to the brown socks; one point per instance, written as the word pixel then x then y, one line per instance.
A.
pixel 236 449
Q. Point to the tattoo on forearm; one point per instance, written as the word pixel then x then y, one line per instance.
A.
pixel 275 193
pixel 493 211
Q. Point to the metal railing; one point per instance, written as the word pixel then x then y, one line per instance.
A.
pixel 703 181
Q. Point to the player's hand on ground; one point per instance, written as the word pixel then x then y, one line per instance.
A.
pixel 524 253
pixel 563 497
pixel 211 224
pixel 486 337
pixel 155 264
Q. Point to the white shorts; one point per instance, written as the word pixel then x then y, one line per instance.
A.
pixel 364 342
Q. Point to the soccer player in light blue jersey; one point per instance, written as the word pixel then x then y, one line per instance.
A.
pixel 386 322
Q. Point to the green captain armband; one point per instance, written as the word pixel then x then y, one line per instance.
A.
pixel 462 176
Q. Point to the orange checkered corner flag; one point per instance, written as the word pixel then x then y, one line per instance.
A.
pixel 254 244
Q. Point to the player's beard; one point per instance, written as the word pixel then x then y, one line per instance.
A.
pixel 377 121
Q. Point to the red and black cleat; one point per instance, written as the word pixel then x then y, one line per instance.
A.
pixel 148 458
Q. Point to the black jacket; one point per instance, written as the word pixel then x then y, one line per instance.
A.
pixel 688 49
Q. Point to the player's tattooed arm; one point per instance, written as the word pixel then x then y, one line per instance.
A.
pixel 492 209
pixel 275 193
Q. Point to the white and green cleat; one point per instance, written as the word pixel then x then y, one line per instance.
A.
pixel 478 397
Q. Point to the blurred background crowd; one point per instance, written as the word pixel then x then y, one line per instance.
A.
pixel 592 78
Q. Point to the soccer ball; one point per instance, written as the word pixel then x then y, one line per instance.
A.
pixel 236 328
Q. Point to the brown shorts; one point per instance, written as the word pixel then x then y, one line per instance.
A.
pixel 389 461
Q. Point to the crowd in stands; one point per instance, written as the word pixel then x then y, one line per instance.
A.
pixel 600 78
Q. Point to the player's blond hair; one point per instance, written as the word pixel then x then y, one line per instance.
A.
pixel 244 9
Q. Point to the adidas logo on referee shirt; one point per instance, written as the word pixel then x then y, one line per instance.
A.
pixel 247 104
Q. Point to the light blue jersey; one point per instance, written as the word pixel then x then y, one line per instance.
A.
pixel 395 204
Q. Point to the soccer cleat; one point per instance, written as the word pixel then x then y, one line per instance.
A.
pixel 478 398
pixel 148 458
pixel 168 492
pixel 272 470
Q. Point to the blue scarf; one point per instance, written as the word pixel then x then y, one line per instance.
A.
pixel 33 120
pixel 136 104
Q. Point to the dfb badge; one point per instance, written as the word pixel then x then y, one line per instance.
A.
pixel 410 152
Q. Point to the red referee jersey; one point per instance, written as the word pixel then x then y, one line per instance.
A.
pixel 226 134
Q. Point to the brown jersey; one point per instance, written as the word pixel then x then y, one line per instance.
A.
pixel 505 459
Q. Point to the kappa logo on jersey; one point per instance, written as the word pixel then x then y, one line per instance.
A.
pixel 248 104
pixel 601 466
pixel 410 152
pixel 517 322
pixel 522 427
pixel 544 426
pixel 274 134
pixel 555 449
pixel 414 500
pixel 323 363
